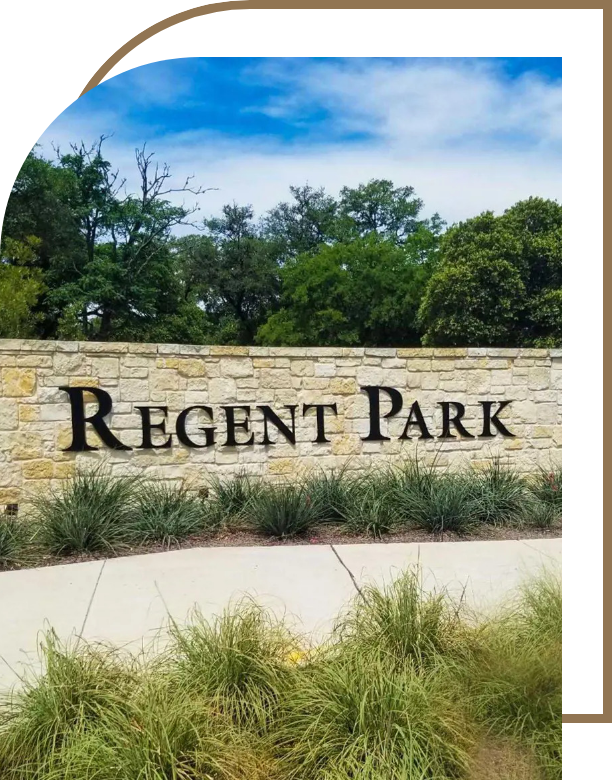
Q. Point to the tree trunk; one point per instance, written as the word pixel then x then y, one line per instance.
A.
pixel 105 325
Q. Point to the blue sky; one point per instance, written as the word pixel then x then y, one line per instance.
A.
pixel 468 134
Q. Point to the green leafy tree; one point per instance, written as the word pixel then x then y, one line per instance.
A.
pixel 104 254
pixel 40 206
pixel 232 272
pixel 363 292
pixel 354 268
pixel 313 218
pixel 39 210
pixel 82 258
pixel 498 281
pixel 20 288
pixel 131 281
pixel 303 224
pixel 379 207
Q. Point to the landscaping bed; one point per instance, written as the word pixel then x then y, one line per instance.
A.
pixel 96 516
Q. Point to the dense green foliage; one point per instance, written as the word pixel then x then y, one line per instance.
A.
pixel 408 687
pixel 83 258
pixel 363 292
pixel 20 288
pixel 499 280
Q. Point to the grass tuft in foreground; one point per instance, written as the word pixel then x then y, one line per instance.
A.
pixel 237 661
pixel 511 671
pixel 401 623
pixel 353 717
pixel 408 687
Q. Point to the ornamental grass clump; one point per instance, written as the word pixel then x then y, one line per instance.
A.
pixel 407 687
pixel 499 494
pixel 89 513
pixel 400 622
pixel 282 510
pixel 547 487
pixel 165 513
pixel 510 671
pixel 330 492
pixel 50 712
pixel 14 538
pixel 238 661
pixel 443 503
pixel 353 717
pixel 230 497
pixel 539 514
pixel 369 513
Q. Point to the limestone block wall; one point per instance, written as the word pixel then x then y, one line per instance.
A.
pixel 35 416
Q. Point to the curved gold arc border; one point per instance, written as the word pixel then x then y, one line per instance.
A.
pixel 164 24
pixel 286 5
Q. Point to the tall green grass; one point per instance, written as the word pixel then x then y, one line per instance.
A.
pixel 282 510
pixel 547 488
pixel 369 507
pixel 160 732
pixel 354 717
pixel 97 513
pixel 408 687
pixel 539 514
pixel 330 492
pixel 88 513
pixel 231 496
pixel 14 539
pixel 165 513
pixel 400 622
pixel 443 503
pixel 237 661
pixel 499 494
pixel 509 671
pixel 94 715
pixel 60 707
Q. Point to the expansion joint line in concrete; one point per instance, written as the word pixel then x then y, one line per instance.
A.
pixel 350 573
pixel 95 588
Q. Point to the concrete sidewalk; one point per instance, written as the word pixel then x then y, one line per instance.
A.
pixel 127 600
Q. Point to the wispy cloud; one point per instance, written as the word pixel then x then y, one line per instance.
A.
pixel 422 103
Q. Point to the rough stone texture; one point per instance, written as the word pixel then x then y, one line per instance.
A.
pixel 18 382
pixel 35 415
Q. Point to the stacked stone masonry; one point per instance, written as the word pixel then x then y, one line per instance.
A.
pixel 35 415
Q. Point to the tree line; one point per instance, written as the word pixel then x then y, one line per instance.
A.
pixel 84 258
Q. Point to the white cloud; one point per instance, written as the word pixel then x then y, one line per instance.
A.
pixel 421 103
pixel 464 137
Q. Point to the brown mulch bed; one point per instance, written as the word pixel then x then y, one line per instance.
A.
pixel 504 760
pixel 321 535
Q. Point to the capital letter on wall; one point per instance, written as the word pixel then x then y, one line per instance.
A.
pixel 96 420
